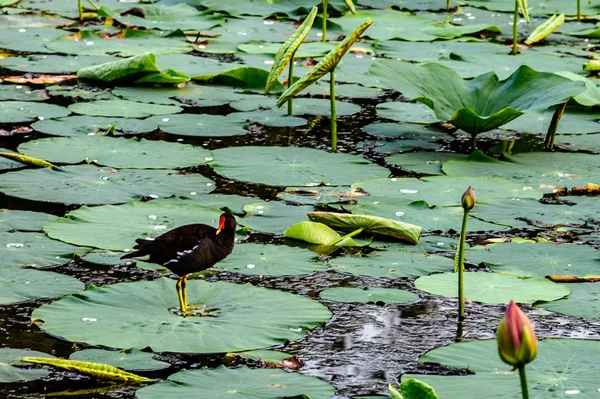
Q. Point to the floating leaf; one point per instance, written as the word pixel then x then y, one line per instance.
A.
pixel 97 370
pixel 200 125
pixel 11 219
pixel 23 111
pixel 122 108
pixel 34 250
pixel 22 285
pixel 80 125
pixel 545 29
pixel 128 359
pixel 368 295
pixel 9 373
pixel 317 233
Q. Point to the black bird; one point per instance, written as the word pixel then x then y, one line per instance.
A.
pixel 189 249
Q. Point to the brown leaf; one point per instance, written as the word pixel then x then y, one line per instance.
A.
pixel 573 279
pixel 38 79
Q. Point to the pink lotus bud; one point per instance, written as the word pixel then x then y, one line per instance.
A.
pixel 468 199
pixel 517 344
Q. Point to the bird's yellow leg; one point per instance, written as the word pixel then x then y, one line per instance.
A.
pixel 182 304
pixel 184 291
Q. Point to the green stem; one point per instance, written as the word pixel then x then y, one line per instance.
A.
pixel 579 10
pixel 80 6
pixel 448 5
pixel 551 135
pixel 474 141
pixel 324 27
pixel 523 378
pixel 355 232
pixel 93 5
pixel 515 23
pixel 290 82
pixel 333 111
pixel 459 266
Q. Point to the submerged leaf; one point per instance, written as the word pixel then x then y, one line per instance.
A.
pixel 98 370
pixel 542 31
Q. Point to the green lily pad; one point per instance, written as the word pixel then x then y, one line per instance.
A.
pixel 29 39
pixel 272 216
pixel 78 93
pixel 116 152
pixel 89 184
pixel 271 260
pixel 493 288
pixel 318 233
pixel 23 111
pixel 80 125
pixel 243 382
pixel 270 117
pixel 122 108
pixel 286 166
pixel 574 121
pixel 466 104
pixel 200 125
pixel 583 301
pixel 32 21
pixel 9 373
pixel 23 220
pixel 21 285
pixel 21 93
pixel 319 106
pixel 423 162
pixel 368 295
pixel 53 64
pixel 406 112
pixel 239 320
pixel 580 142
pixel 393 264
pixel 538 259
pixel 563 367
pixel 264 355
pixel 316 195
pixel 128 359
pixel 34 250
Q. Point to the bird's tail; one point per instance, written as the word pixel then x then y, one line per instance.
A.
pixel 140 250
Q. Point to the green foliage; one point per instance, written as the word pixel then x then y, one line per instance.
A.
pixel 97 370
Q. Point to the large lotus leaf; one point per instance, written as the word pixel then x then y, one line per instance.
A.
pixel 477 105
pixel 31 39
pixel 293 166
pixel 317 233
pixel 368 295
pixel 562 368
pixel 117 227
pixel 234 202
pixel 547 7
pixel 271 260
pixel 583 301
pixel 272 117
pixel 540 170
pixel 427 244
pixel 80 125
pixel 393 264
pixel 140 68
pixel 221 383
pixel 529 259
pixel 78 93
pixel 21 93
pixel 9 373
pixel 244 77
pixel 585 142
pixel 317 195
pixel 319 106
pixel 347 90
pixel 32 21
pixel 200 125
pixel 23 111
pixel 378 226
pixel 575 120
pixel 493 288
pixel 23 220
pixel 116 152
pixel 272 216
pixel 391 24
pixel 437 50
pixel 20 285
pixel 35 250
pixel 126 44
pixel 591 96
pixel 62 7
pixel 406 136
pixel 122 108
pixel 54 64
pixel 137 315
pixel 127 359
pixel 423 162
pixel 93 185
pixel 265 8
pixel 406 112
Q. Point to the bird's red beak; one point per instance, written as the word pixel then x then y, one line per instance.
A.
pixel 221 224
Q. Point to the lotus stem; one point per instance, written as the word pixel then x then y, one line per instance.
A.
pixel 551 135
pixel 324 27
pixel 448 5
pixel 515 23
pixel 333 111
pixel 80 8
pixel 523 378
pixel 474 141
pixel 349 235
pixel 579 10
pixel 459 265
pixel 291 82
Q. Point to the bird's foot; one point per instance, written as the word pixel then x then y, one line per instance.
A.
pixel 200 310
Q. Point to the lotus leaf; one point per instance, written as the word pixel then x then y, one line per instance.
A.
pixel 277 166
pixel 116 152
pixel 272 216
pixel 493 288
pixel 561 366
pixel 272 117
pixel 393 264
pixel 368 295
pixel 127 359
pixel 34 250
pixel 201 125
pixel 244 77
pixel 316 195
pixel 23 111
pixel 270 260
pixel 423 162
pixel 122 108
pixel 23 220
pixel 583 301
pixel 406 112
pixel 52 63
pixel 317 233
pixel 20 285
pixel 263 8
pixel 78 93
pixel 481 104
pixel 574 121
pixel 21 93
pixel 243 382
pixel 9 373
pixel 239 319
pixel 30 39
pixel 80 125
pixel 90 184
pixel 32 21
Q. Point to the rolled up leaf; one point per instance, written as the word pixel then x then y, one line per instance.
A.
pixel 98 370
pixel 542 31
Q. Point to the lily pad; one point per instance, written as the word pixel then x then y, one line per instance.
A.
pixel 583 301
pixel 54 64
pixel 34 250
pixel 393 264
pixel 201 125
pixel 493 288
pixel 423 162
pixel 239 321
pixel 128 359
pixel 116 152
pixel 529 259
pixel 570 363
pixel 244 382
pixel 318 233
pixel 21 285
pixel 9 373
pixel 116 227
pixel 21 93
pixel 24 220
pixel 23 111
pixel 406 112
pixel 292 166
pixel 271 260
pixel 80 125
pixel 272 216
pixel 89 184
pixel 368 295
pixel 122 108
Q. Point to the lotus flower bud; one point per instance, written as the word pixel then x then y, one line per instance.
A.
pixel 468 199
pixel 517 344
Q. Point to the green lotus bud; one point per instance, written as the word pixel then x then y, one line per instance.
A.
pixel 468 199
pixel 517 344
